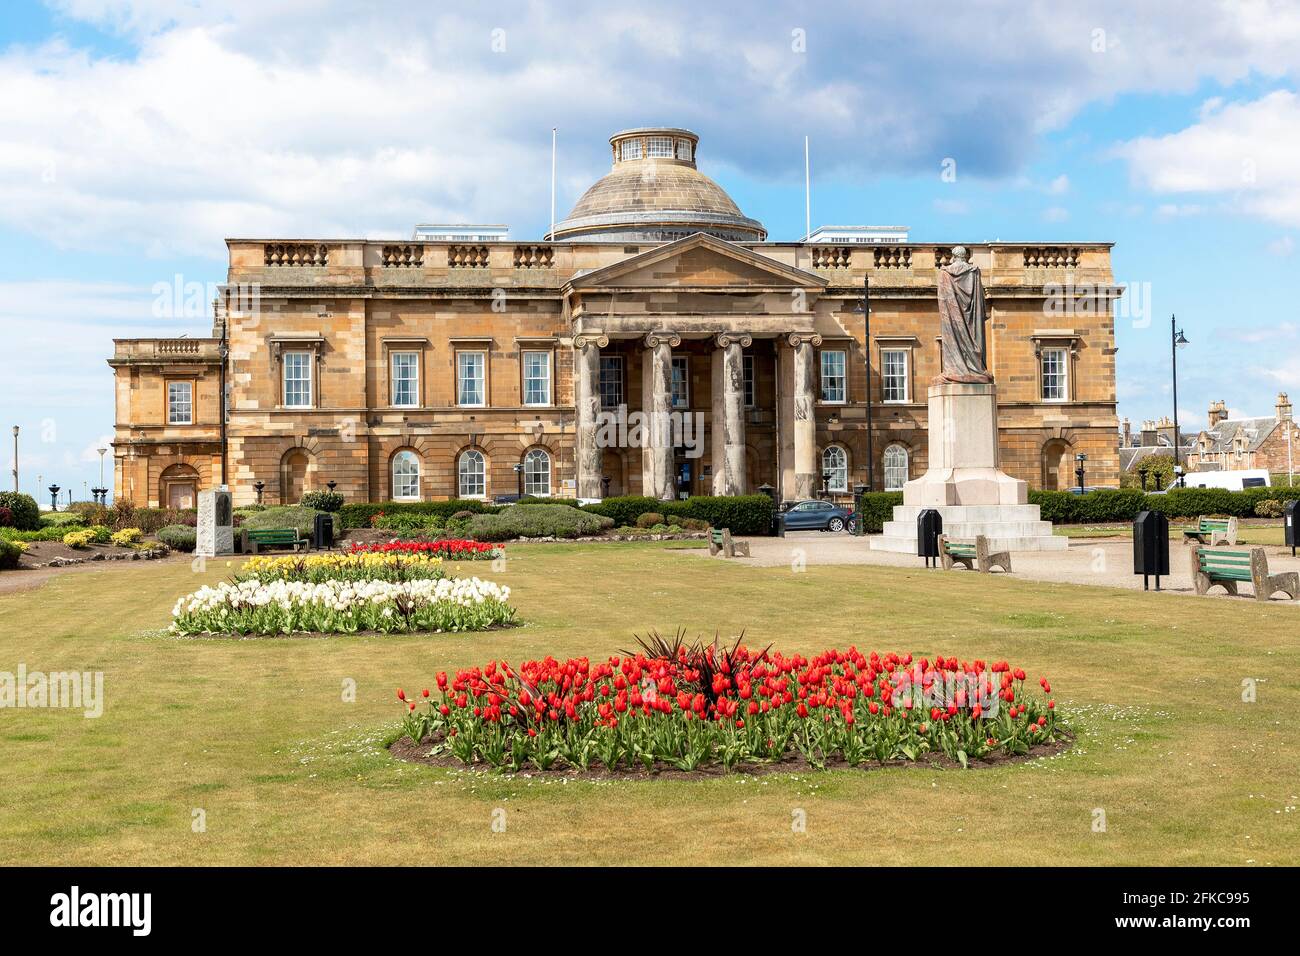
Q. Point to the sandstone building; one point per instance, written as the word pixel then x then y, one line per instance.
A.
pixel 1236 444
pixel 436 368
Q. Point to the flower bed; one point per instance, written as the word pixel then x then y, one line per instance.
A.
pixel 449 549
pixel 691 707
pixel 343 607
pixel 355 565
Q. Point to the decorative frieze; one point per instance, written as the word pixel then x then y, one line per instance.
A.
pixel 296 254
pixel 396 257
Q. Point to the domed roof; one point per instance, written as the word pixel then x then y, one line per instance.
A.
pixel 655 193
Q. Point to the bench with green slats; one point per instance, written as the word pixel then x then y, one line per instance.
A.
pixel 1206 527
pixel 1221 566
pixel 276 537
pixel 959 549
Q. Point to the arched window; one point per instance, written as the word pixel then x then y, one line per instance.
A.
pixel 406 476
pixel 835 463
pixel 473 474
pixel 537 473
pixel 895 468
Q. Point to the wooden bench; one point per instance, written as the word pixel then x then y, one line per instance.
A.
pixel 720 540
pixel 1213 531
pixel 254 539
pixel 1211 566
pixel 973 555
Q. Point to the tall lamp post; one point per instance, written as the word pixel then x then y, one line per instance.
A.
pixel 102 490
pixel 1176 341
pixel 15 458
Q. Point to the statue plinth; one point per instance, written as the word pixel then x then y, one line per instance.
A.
pixel 963 482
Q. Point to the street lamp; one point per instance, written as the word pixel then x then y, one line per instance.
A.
pixel 1177 341
pixel 259 486
pixel 103 491
pixel 54 497
pixel 15 458
pixel 519 478
pixel 1078 471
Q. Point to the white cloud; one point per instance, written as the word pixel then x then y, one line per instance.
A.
pixel 1060 185
pixel 1256 335
pixel 1171 210
pixel 1243 152
pixel 1282 246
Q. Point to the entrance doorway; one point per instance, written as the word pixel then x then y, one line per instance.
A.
pixel 293 476
pixel 178 486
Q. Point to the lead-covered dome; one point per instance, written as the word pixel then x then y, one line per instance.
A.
pixel 654 193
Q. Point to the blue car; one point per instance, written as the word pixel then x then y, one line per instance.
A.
pixel 815 515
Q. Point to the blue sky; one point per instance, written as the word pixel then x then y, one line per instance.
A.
pixel 135 135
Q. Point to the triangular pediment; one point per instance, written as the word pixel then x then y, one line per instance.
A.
pixel 698 262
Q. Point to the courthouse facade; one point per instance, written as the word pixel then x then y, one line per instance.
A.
pixel 477 367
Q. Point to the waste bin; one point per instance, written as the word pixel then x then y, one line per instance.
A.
pixel 929 525
pixel 1289 525
pixel 323 532
pixel 1150 546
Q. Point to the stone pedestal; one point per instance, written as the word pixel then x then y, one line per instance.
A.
pixel 215 533
pixel 964 482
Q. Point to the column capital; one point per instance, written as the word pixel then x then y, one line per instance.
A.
pixel 724 339
pixel 662 337
pixel 585 340
pixel 797 339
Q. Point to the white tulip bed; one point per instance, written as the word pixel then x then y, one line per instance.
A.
pixel 343 607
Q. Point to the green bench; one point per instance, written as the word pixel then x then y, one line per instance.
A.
pixel 720 540
pixel 253 540
pixel 1211 566
pixel 1213 531
pixel 972 555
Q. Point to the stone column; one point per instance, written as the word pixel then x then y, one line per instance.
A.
pixel 657 406
pixel 586 350
pixel 729 413
pixel 804 425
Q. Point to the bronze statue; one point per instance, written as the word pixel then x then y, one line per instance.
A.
pixel 961 321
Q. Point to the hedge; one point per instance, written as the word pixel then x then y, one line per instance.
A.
pixel 286 516
pixel 178 537
pixel 9 555
pixel 24 513
pixel 358 515
pixel 878 507
pixel 742 514
pixel 536 521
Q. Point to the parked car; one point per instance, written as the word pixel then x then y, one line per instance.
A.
pixel 815 515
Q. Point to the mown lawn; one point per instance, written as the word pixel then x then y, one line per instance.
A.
pixel 256 733
pixel 1262 534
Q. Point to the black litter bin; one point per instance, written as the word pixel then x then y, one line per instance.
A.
pixel 323 532
pixel 1289 524
pixel 1150 546
pixel 929 525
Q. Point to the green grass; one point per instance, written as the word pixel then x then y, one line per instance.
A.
pixel 1262 534
pixel 256 734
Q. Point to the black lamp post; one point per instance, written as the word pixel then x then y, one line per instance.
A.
pixel 1078 471
pixel 259 487
pixel 1177 341
pixel 826 484
pixel 519 478
pixel 54 497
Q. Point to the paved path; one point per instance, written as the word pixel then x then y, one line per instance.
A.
pixel 1107 562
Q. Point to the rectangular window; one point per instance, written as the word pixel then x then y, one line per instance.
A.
pixel 1054 375
pixel 661 147
pixel 611 381
pixel 180 403
pixel 537 378
pixel 405 375
pixel 833 389
pixel 681 382
pixel 629 149
pixel 471 369
pixel 893 374
pixel 684 149
pixel 297 379
pixel 747 377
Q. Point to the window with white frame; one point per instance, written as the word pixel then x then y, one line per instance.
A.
pixel 835 468
pixel 893 374
pixel 895 467
pixel 747 379
pixel 404 373
pixel 297 379
pixel 681 382
pixel 406 476
pixel 537 473
pixel 1055 383
pixel 611 381
pixel 660 147
pixel 472 474
pixel 471 374
pixel 537 378
pixel 180 403
pixel 629 149
pixel 833 385
pixel 684 149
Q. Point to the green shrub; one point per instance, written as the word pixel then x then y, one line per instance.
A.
pixel 1269 508
pixel 742 514
pixel 358 514
pixel 61 519
pixel 10 552
pixel 649 519
pixel 286 516
pixel 24 513
pixel 125 515
pixel 178 537
pixel 693 524
pixel 330 501
pixel 536 521
pixel 100 534
pixel 877 508
pixel 534 500
pixel 81 538
pixel 407 523
pixel 40 534
pixel 250 509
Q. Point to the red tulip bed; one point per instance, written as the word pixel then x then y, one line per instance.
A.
pixel 674 706
pixel 448 549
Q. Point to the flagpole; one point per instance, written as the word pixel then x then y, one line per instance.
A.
pixel 553 183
